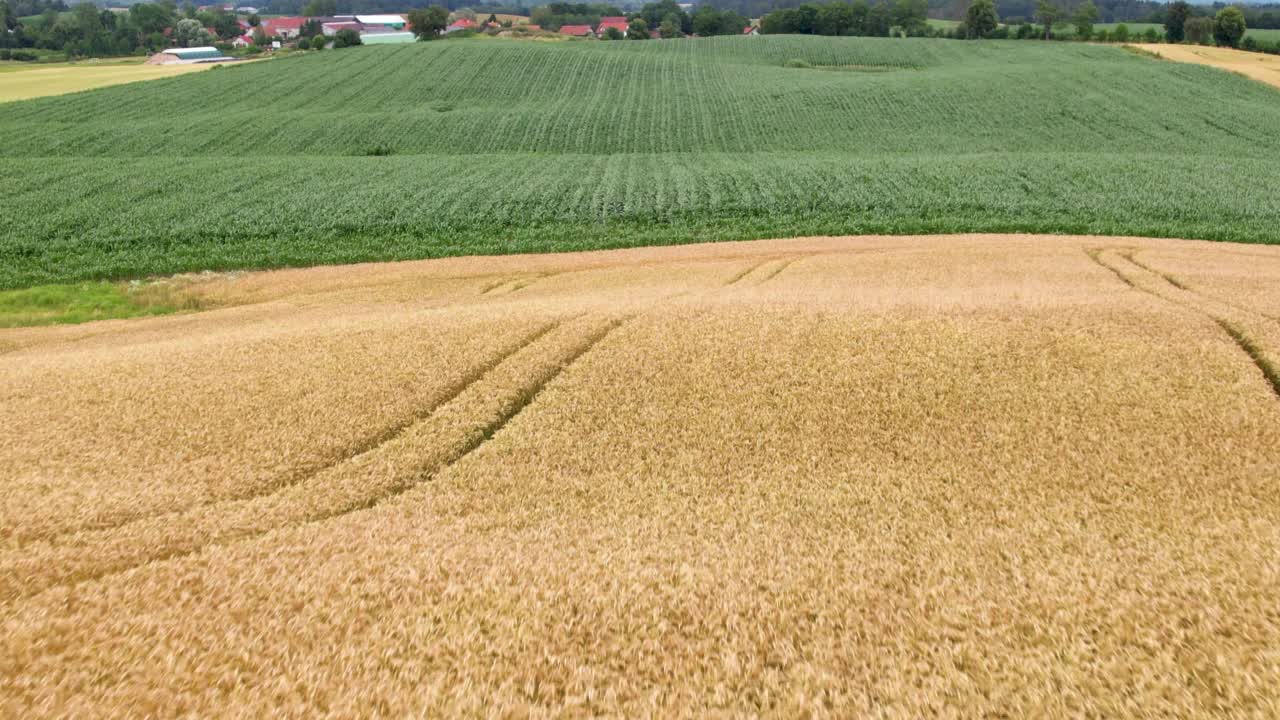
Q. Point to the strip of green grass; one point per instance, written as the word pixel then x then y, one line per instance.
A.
pixel 76 303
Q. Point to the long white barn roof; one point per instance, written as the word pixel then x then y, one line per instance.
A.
pixel 380 19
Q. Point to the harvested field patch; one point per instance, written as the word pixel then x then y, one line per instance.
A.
pixel 976 474
pixel 1258 66
pixel 42 80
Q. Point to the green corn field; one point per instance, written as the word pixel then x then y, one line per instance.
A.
pixel 464 147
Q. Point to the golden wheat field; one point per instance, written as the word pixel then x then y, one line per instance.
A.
pixel 1260 67
pixel 966 475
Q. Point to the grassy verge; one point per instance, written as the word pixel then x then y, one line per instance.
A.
pixel 81 302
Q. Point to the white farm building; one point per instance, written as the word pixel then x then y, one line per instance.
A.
pixel 187 56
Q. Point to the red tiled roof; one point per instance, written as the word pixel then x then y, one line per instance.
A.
pixel 463 23
pixel 578 30
pixel 613 22
pixel 285 23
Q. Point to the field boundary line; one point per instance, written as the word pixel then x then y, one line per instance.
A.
pixel 1256 354
pixel 288 480
pixel 1095 255
pixel 778 270
pixel 353 478
pixel 737 277
pixel 1183 285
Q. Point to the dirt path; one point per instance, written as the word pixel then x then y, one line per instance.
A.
pixel 1259 66
pixel 1011 475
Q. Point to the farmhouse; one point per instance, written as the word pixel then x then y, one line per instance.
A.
pixel 287 28
pixel 460 24
pixel 617 23
pixel 242 41
pixel 331 28
pixel 751 30
pixel 577 30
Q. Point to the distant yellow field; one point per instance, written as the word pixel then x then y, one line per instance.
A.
pixel 61 78
pixel 960 476
pixel 1264 68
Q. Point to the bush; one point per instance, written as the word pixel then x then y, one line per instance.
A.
pixel 796 63
pixel 346 38
pixel 1198 30
pixel 318 42
pixel 1121 33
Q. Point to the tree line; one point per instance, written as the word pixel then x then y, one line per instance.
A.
pixel 850 18
pixel 87 31
pixel 1181 22
pixel 664 19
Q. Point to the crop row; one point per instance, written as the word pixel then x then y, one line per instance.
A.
pixel 74 219
pixel 721 95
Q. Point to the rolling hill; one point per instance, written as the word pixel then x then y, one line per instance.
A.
pixel 467 147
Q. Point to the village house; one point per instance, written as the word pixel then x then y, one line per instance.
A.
pixel 613 21
pixel 286 28
pixel 577 30
pixel 330 29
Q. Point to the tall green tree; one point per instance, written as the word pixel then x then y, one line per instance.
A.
pixel 320 8
pixel 911 15
pixel 190 33
pixel 655 13
pixel 427 23
pixel 1199 30
pixel 1229 26
pixel 150 18
pixel 7 17
pixel 638 29
pixel 1175 21
pixel 981 20
pixel 1047 13
pixel 669 27
pixel 837 19
pixel 1084 17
